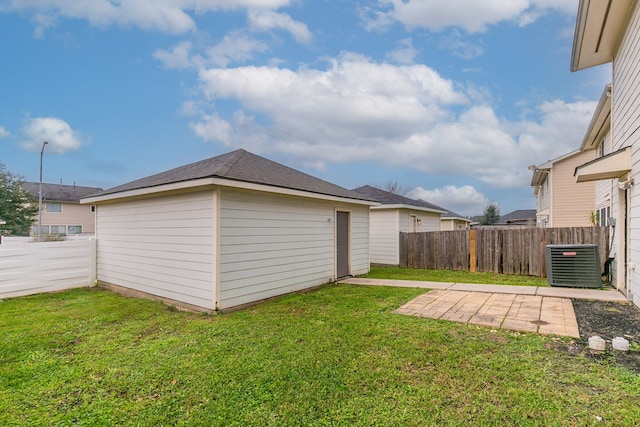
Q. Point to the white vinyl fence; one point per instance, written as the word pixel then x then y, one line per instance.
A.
pixel 32 268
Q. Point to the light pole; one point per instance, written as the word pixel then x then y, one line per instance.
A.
pixel 40 195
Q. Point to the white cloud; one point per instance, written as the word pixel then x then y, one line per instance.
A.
pixel 169 16
pixel 59 135
pixel 3 132
pixel 356 110
pixel 460 47
pixel 473 16
pixel 265 20
pixel 178 57
pixel 404 54
pixel 465 200
pixel 42 23
pixel 235 47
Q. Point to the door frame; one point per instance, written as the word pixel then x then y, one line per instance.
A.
pixel 348 258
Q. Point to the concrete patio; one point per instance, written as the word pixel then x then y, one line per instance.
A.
pixel 543 310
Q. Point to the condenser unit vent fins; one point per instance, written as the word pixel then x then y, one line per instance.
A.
pixel 575 266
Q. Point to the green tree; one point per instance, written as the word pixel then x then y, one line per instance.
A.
pixel 16 204
pixel 490 214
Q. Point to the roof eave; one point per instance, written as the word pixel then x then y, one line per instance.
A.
pixel 455 218
pixel 203 183
pixel 600 122
pixel 599 26
pixel 415 208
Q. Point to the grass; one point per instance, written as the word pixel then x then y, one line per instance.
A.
pixel 454 276
pixel 337 356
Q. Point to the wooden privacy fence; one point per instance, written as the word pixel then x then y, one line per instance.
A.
pixel 497 250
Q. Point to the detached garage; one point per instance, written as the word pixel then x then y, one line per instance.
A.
pixel 228 231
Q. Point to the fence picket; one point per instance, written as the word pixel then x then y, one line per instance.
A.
pixel 497 250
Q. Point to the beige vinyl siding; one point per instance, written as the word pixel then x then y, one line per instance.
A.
pixel 162 246
pixel 384 236
pixel 625 118
pixel 430 221
pixel 453 224
pixel 571 202
pixel 72 214
pixel 271 244
pixel 544 201
pixel 448 225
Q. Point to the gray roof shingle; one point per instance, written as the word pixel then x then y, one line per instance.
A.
pixel 59 192
pixel 240 165
pixel 387 198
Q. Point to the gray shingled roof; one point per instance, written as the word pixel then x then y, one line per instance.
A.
pixel 59 192
pixel 518 215
pixel 451 214
pixel 387 198
pixel 240 165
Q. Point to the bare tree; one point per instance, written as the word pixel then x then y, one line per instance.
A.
pixel 394 187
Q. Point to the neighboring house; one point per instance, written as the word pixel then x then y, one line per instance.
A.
pixel 521 217
pixel 61 209
pixel 560 201
pixel 396 214
pixel 452 221
pixel 228 231
pixel 609 32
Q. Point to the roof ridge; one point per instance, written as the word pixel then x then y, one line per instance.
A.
pixel 234 158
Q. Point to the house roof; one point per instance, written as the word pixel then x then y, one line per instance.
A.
pixel 453 215
pixel 392 200
pixel 240 166
pixel 600 122
pixel 519 215
pixel 541 172
pixel 60 192
pixel 599 26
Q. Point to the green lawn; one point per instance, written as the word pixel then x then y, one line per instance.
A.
pixel 337 356
pixel 454 276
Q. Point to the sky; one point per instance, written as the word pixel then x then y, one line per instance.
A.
pixel 449 100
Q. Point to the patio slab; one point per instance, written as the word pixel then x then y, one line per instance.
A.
pixel 528 313
pixel 579 293
pixel 543 310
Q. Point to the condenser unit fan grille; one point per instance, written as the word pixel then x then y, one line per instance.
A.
pixel 575 266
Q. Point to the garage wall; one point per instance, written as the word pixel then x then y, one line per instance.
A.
pixel 272 245
pixel 163 246
pixel 384 236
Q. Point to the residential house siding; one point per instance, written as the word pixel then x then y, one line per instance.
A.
pixel 384 236
pixel 572 202
pixel 272 245
pixel 161 246
pixel 227 231
pixel 625 120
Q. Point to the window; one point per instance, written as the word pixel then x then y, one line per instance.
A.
pixel 603 215
pixel 74 229
pixel 93 208
pixel 53 208
pixel 58 229
pixel 44 229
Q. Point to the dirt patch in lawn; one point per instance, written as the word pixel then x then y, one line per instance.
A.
pixel 608 320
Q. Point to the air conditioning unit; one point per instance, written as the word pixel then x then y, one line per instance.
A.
pixel 573 266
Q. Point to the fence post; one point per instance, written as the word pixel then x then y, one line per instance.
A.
pixel 472 251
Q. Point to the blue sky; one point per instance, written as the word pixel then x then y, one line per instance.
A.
pixel 451 99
